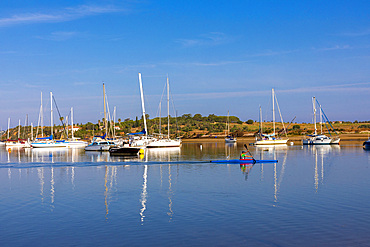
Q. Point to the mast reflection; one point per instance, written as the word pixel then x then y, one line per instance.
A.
pixel 144 194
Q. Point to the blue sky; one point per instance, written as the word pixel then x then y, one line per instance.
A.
pixel 219 55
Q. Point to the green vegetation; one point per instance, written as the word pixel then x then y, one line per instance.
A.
pixel 189 126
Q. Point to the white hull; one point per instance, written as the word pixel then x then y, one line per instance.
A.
pixel 49 144
pixel 98 147
pixel 76 144
pixel 272 142
pixel 14 144
pixel 321 140
pixel 164 143
pixel 230 140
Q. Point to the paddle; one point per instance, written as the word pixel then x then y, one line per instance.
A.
pixel 254 160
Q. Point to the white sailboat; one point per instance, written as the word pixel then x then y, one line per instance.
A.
pixel 228 138
pixel 75 142
pixel 49 142
pixel 319 139
pixel 271 139
pixel 165 142
pixel 100 143
pixel 140 139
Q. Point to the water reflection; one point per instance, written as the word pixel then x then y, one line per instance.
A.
pixel 228 148
pixel 246 169
pixel 144 194
pixel 275 152
pixel 164 154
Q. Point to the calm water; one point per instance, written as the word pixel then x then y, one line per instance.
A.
pixel 314 196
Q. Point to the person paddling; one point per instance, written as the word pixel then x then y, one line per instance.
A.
pixel 246 155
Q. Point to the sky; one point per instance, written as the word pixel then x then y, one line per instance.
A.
pixel 219 56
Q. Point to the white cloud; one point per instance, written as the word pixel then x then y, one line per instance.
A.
pixel 209 39
pixel 59 36
pixel 336 47
pixel 66 14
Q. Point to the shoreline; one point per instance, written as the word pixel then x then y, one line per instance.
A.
pixel 297 140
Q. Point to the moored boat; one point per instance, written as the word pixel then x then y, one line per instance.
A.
pixel 229 138
pixel 164 143
pixel 271 139
pixel 99 143
pixel 320 139
pixel 366 145
pixel 126 150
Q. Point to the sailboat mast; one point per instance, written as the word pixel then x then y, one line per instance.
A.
pixel 105 113
pixel 142 105
pixel 314 112
pixel 19 128
pixel 260 121
pixel 51 113
pixel 32 131
pixel 320 118
pixel 160 117
pixel 8 127
pixel 42 118
pixel 72 122
pixel 228 123
pixel 114 123
pixel 168 106
pixel 273 109
pixel 25 128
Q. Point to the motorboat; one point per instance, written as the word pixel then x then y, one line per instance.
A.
pixel 126 150
pixel 99 143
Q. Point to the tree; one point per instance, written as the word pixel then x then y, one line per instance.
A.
pixel 197 117
pixel 250 121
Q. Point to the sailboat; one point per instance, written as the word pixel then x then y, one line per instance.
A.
pixel 49 142
pixel 271 139
pixel 229 139
pixel 140 139
pixel 320 139
pixel 75 142
pixel 165 142
pixel 15 143
pixel 100 143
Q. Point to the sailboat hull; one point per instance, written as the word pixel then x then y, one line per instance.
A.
pixel 50 144
pixel 230 140
pixel 321 140
pixel 272 142
pixel 165 143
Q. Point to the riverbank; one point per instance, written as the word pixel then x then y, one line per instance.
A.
pixel 346 139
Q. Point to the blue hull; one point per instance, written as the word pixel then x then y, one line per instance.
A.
pixel 243 161
pixel 366 145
